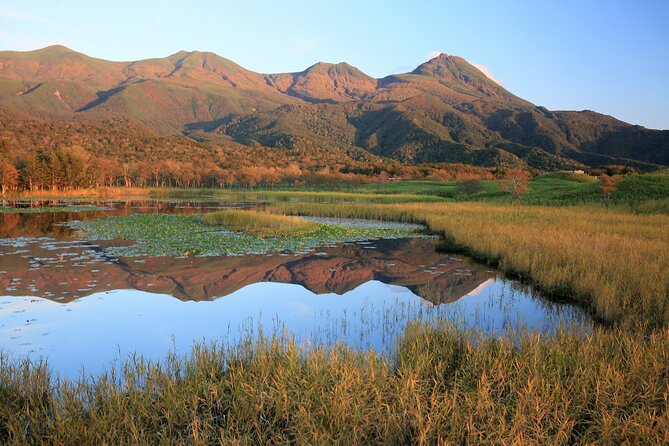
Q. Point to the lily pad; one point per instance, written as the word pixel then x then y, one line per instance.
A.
pixel 177 235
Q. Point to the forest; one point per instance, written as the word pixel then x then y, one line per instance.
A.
pixel 78 155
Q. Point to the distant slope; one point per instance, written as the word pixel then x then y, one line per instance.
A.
pixel 324 82
pixel 445 110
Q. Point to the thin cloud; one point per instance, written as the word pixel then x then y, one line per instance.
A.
pixel 431 55
pixel 15 14
pixel 485 70
pixel 402 69
pixel 306 45
pixel 20 42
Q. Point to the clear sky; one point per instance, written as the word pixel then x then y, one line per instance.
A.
pixel 609 56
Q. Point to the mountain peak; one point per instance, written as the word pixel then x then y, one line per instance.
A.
pixel 59 63
pixel 57 48
pixel 325 82
pixel 53 51
pixel 332 67
pixel 440 65
pixel 180 53
pixel 440 57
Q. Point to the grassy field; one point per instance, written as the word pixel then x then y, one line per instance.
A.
pixel 445 386
pixel 552 189
pixel 646 193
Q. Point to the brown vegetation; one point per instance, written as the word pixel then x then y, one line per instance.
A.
pixel 56 156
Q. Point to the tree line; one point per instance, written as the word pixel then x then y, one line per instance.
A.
pixel 65 168
pixel 61 155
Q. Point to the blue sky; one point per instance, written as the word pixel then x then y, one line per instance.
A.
pixel 609 56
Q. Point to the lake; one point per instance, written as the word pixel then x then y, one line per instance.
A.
pixel 64 298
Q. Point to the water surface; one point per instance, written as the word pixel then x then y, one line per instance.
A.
pixel 63 298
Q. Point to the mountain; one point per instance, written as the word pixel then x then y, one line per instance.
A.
pixel 445 110
pixel 325 82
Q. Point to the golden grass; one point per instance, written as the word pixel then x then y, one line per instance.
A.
pixel 446 386
pixel 236 195
pixel 104 192
pixel 615 263
pixel 259 223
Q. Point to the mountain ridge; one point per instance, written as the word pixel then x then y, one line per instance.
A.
pixel 445 110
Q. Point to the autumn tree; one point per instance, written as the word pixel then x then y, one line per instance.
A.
pixel 516 184
pixel 383 179
pixel 9 177
pixel 608 185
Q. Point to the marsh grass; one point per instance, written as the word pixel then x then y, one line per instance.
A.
pixel 49 209
pixel 445 385
pixel 258 223
pixel 616 264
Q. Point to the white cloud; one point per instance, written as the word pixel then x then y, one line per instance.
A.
pixel 431 55
pixel 485 70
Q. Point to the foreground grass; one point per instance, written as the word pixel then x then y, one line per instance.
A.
pixel 445 385
pixel 260 223
pixel 614 263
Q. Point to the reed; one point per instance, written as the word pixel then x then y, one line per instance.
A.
pixel 612 262
pixel 444 386
pixel 259 223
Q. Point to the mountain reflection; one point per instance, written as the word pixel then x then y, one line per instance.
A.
pixel 67 270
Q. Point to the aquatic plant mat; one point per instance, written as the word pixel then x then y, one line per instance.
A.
pixel 177 235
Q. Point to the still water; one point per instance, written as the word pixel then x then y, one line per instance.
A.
pixel 64 299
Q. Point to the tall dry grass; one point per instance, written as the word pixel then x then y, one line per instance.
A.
pixel 445 386
pixel 259 223
pixel 615 263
